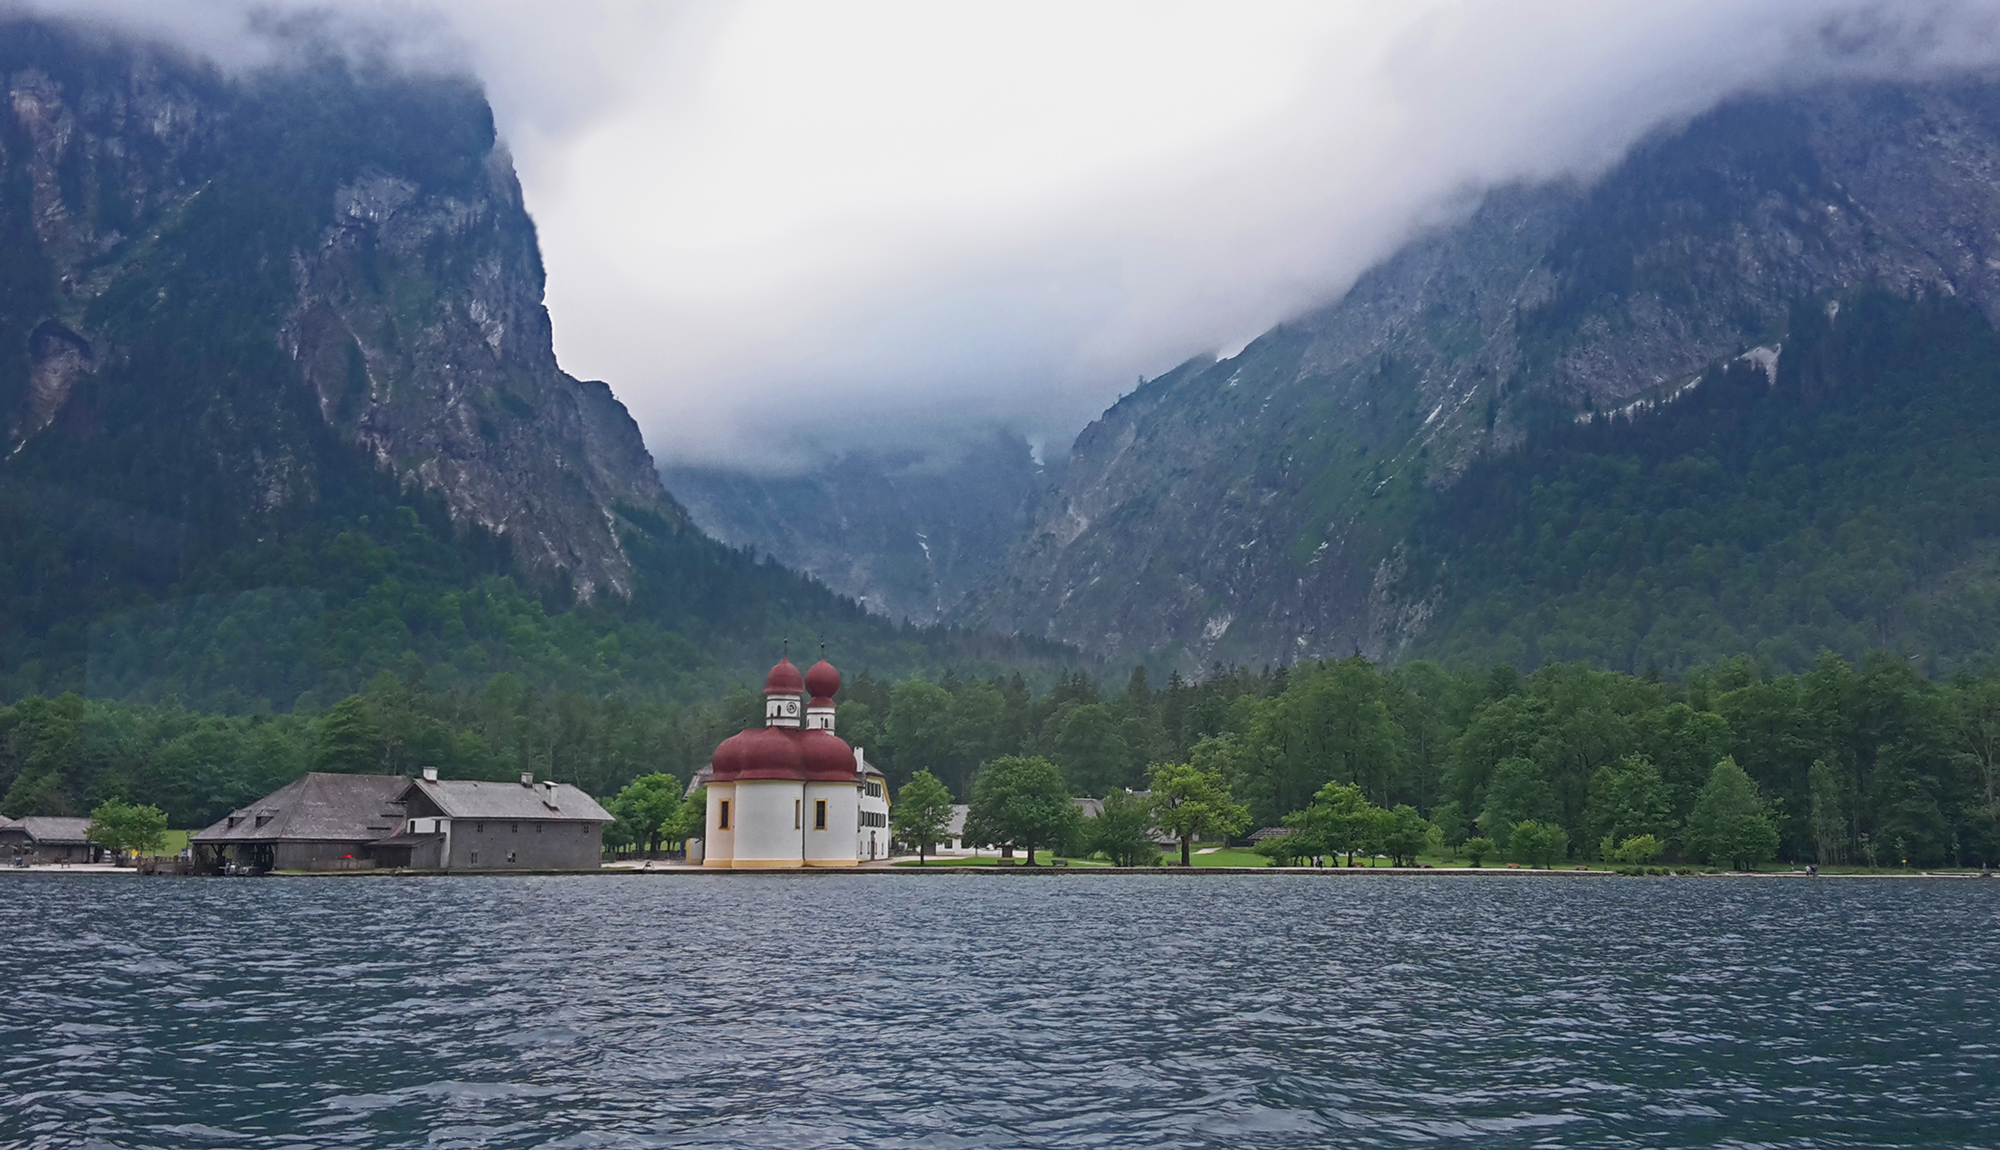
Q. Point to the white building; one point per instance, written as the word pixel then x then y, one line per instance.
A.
pixel 871 837
pixel 791 793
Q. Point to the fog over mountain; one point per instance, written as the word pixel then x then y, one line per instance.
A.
pixel 781 229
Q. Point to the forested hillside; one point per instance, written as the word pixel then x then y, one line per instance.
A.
pixel 1847 501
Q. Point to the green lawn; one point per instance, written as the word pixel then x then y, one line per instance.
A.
pixel 1042 858
pixel 1224 857
pixel 177 841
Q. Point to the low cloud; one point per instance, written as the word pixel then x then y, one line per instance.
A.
pixel 778 228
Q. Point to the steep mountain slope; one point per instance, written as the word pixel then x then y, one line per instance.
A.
pixel 1847 501
pixel 906 534
pixel 281 412
pixel 1258 508
pixel 229 271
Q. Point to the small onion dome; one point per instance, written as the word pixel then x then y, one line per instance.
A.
pixel 783 679
pixel 827 758
pixel 823 681
pixel 759 753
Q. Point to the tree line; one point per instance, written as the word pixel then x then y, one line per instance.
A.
pixel 1865 763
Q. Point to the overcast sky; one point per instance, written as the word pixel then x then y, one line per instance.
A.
pixel 777 228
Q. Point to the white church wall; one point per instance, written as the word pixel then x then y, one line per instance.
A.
pixel 718 843
pixel 833 844
pixel 768 832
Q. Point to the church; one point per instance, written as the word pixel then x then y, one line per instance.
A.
pixel 791 793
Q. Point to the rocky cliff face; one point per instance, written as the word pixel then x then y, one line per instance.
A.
pixel 1253 509
pixel 282 275
pixel 906 534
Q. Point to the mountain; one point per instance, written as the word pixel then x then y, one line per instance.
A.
pixel 906 533
pixel 1269 507
pixel 362 237
pixel 281 411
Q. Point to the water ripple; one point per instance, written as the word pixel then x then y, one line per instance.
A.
pixel 958 1011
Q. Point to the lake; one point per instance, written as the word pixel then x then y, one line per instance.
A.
pixel 969 1011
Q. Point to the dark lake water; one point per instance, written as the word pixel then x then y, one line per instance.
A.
pixel 941 1012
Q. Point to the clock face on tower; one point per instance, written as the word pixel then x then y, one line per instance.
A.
pixel 791 708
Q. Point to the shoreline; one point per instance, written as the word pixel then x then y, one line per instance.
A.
pixel 1038 872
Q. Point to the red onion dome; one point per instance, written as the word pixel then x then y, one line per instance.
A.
pixel 783 679
pixel 826 757
pixel 759 753
pixel 823 681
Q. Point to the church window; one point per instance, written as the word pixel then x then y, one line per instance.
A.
pixel 722 822
pixel 819 814
pixel 795 813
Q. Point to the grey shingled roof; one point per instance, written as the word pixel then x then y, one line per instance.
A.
pixel 474 799
pixel 317 808
pixel 54 829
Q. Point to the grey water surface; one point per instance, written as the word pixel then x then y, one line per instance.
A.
pixel 969 1011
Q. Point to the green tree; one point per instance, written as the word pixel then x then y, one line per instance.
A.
pixel 350 740
pixel 1637 850
pixel 922 814
pixel 1090 750
pixel 1538 844
pixel 1477 849
pixel 645 805
pixel 118 826
pixel 690 821
pixel 1329 724
pixel 1286 849
pixel 1021 802
pixel 1976 711
pixel 1449 819
pixel 1827 809
pixel 1340 819
pixel 1123 831
pixel 1405 833
pixel 1730 823
pixel 918 731
pixel 1519 793
pixel 45 740
pixel 1191 801
pixel 1628 798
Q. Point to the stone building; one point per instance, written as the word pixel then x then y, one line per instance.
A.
pixel 469 825
pixel 326 822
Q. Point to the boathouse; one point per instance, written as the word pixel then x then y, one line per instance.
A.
pixel 319 822
pixel 49 839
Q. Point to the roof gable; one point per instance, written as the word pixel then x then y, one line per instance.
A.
pixel 522 802
pixel 54 828
pixel 317 807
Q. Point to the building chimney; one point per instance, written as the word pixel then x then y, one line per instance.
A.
pixel 430 774
pixel 527 778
